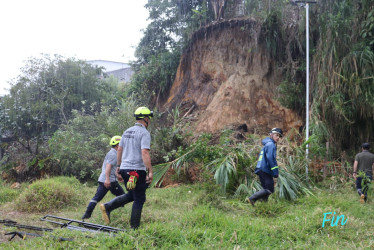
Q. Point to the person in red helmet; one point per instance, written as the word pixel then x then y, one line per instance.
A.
pixel 267 166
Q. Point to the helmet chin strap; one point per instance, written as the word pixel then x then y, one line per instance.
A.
pixel 272 136
pixel 145 121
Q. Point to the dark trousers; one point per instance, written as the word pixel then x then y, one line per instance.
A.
pixel 267 181
pixel 101 191
pixel 267 184
pixel 137 194
pixel 359 186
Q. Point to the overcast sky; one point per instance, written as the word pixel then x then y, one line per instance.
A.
pixel 84 29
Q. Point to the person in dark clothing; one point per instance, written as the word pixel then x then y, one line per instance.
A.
pixel 364 162
pixel 267 166
pixel 108 179
pixel 134 159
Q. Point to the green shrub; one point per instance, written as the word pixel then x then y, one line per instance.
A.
pixel 292 95
pixel 167 135
pixel 7 194
pixel 80 146
pixel 48 194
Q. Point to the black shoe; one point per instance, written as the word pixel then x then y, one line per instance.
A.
pixel 91 206
pixel 248 200
pixel 105 214
pixel 86 216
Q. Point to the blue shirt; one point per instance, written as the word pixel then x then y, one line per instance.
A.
pixel 267 160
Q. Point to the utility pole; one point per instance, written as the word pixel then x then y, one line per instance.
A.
pixel 1 148
pixel 305 4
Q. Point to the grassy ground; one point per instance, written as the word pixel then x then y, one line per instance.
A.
pixel 190 217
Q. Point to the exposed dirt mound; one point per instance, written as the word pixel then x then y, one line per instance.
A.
pixel 227 75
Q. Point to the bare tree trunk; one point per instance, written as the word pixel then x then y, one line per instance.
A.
pixel 62 110
pixel 37 147
pixel 27 147
pixel 325 165
pixel 218 8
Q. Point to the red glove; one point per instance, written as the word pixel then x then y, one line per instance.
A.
pixel 131 184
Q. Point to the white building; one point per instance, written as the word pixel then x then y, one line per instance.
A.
pixel 122 71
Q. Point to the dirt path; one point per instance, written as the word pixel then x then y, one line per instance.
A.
pixel 9 213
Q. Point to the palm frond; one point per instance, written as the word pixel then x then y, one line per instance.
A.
pixel 290 186
pixel 241 190
pixel 159 172
pixel 161 169
pixel 223 168
pixel 250 187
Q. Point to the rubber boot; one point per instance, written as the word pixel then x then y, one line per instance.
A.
pixel 91 206
pixel 362 196
pixel 265 198
pixel 262 194
pixel 365 192
pixel 362 199
pixel 136 214
pixel 115 203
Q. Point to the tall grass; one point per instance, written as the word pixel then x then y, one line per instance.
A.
pixel 194 217
pixel 49 194
pixel 7 193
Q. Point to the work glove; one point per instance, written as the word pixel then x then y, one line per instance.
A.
pixel 131 183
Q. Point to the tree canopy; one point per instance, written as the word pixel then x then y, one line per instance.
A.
pixel 44 95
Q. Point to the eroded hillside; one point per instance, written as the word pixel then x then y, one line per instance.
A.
pixel 229 78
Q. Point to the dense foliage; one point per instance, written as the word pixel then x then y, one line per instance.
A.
pixel 344 92
pixel 63 100
pixel 44 95
pixel 80 146
pixel 342 56
pixel 231 164
pixel 160 48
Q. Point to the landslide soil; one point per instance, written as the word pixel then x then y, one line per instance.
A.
pixel 227 79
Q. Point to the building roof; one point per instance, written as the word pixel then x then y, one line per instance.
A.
pixel 109 65
pixel 122 71
pixel 121 74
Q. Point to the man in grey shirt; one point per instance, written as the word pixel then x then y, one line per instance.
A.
pixel 107 180
pixel 364 162
pixel 134 160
